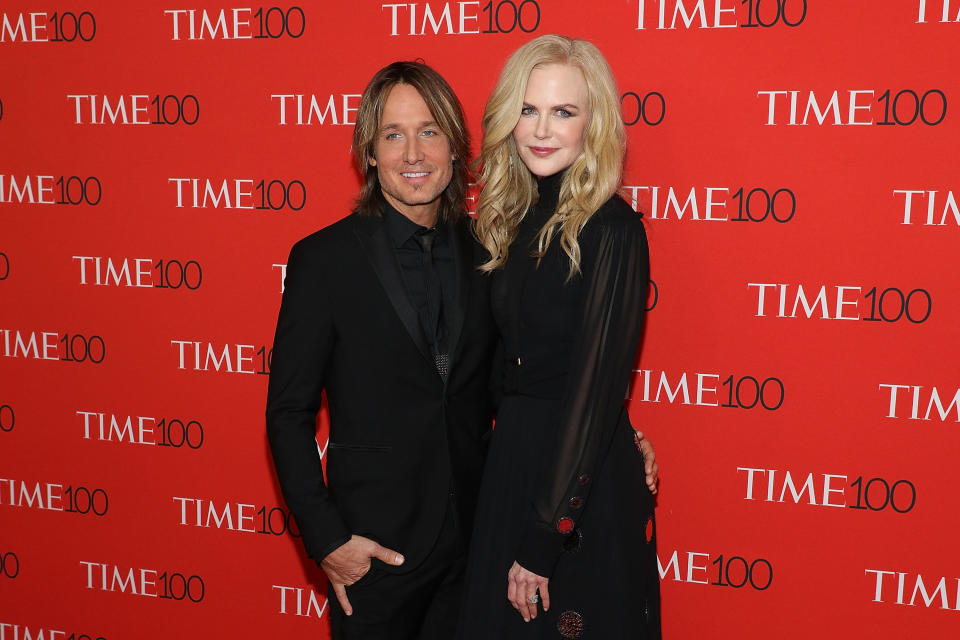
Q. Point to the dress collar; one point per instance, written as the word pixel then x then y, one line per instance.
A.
pixel 549 189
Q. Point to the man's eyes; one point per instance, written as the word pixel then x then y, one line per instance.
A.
pixel 427 133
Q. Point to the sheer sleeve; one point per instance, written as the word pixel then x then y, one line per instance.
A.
pixel 610 327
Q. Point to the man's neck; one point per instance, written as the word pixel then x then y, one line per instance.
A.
pixel 424 215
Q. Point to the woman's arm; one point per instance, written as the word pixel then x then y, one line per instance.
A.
pixel 610 329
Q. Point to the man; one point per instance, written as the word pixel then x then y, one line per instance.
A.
pixel 386 312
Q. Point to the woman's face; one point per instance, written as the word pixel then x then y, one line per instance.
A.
pixel 549 134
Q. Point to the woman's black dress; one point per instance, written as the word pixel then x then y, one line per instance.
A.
pixel 563 491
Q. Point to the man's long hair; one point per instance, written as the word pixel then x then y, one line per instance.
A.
pixel 446 111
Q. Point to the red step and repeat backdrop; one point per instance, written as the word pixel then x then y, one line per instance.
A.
pixel 797 161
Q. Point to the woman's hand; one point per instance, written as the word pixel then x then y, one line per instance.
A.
pixel 651 468
pixel 522 587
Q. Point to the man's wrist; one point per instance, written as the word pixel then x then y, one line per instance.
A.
pixel 330 548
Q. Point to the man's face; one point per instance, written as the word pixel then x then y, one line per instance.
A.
pixel 412 156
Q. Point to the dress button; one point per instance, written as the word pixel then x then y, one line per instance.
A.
pixel 573 541
pixel 576 502
pixel 583 479
pixel 565 525
pixel 570 624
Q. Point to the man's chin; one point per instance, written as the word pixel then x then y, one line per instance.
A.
pixel 420 196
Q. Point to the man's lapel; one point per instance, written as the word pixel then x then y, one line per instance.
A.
pixel 372 235
pixel 461 246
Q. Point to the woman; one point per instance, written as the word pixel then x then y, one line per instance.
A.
pixel 564 542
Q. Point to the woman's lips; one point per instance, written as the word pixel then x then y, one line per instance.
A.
pixel 542 152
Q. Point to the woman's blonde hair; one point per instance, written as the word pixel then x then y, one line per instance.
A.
pixel 509 189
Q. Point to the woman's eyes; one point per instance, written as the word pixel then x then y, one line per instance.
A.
pixel 531 111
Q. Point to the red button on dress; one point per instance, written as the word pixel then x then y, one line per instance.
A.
pixel 565 525
pixel 570 624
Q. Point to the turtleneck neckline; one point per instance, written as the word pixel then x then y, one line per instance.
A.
pixel 549 189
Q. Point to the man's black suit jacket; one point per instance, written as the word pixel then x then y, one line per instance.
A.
pixel 401 438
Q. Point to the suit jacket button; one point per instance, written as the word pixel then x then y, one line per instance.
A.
pixel 583 479
pixel 576 502
pixel 565 525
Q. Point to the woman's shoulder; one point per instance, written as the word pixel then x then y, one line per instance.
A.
pixel 616 215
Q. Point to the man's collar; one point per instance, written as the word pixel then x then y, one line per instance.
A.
pixel 400 228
